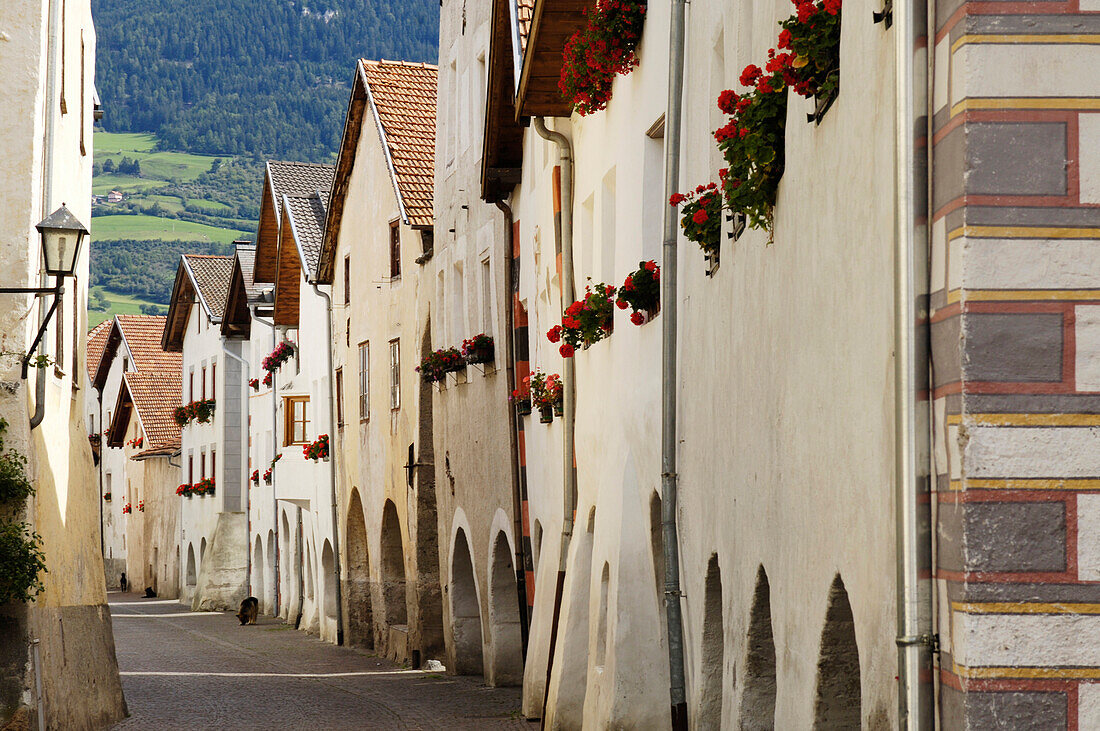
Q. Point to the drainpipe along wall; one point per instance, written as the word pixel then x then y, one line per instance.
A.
pixel 520 529
pixel 669 484
pixel 563 235
pixel 332 470
pixel 915 638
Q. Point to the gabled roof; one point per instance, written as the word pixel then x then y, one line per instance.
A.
pixel 243 291
pixel 283 178
pixel 200 278
pixel 154 396
pixel 140 335
pixel 306 215
pixel 401 99
pixel 97 341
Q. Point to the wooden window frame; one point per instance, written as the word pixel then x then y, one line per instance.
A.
pixel 340 398
pixel 289 421
pixel 395 250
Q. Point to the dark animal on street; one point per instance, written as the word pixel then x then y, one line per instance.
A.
pixel 122 584
pixel 149 593
pixel 250 607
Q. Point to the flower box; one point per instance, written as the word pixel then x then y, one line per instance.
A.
pixel 317 449
pixel 641 292
pixel 201 411
pixel 546 394
pixel 434 367
pixel 586 321
pixel 254 384
pixel 283 352
pixel 106 497
pixel 546 414
pixel 604 48
pixel 478 349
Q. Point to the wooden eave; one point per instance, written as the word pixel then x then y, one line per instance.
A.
pixel 237 322
pixel 179 310
pixel 345 163
pixel 288 279
pixel 267 234
pixel 110 348
pixel 502 150
pixel 552 23
pixel 120 421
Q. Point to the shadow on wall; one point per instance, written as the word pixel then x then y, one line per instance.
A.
pixel 837 705
pixel 465 610
pixel 758 697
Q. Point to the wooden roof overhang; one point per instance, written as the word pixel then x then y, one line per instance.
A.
pixel 237 322
pixel 552 23
pixel 114 339
pixel 502 151
pixel 120 421
pixel 179 310
pixel 345 163
pixel 267 232
pixel 288 277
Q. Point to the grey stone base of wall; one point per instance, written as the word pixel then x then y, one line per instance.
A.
pixel 223 577
pixel 79 671
pixel 113 569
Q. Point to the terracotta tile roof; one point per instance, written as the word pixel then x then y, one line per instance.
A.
pixel 307 219
pixel 156 396
pixel 246 254
pixel 211 275
pixel 404 95
pixel 298 179
pixel 525 9
pixel 142 334
pixel 97 341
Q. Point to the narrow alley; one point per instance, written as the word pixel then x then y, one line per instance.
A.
pixel 202 670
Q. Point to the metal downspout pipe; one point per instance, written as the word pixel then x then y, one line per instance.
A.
pixel 274 451
pixel 916 640
pixel 520 529
pixel 332 466
pixel 563 230
pixel 669 484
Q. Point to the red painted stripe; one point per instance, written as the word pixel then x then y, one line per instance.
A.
pixel 557 190
pixel 515 239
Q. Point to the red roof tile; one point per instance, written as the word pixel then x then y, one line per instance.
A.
pixel 156 396
pixel 404 95
pixel 142 334
pixel 97 340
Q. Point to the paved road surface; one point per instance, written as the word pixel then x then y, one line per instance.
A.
pixel 201 670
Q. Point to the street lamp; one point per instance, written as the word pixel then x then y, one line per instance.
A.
pixel 62 235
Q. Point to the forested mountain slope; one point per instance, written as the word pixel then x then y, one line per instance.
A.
pixel 247 77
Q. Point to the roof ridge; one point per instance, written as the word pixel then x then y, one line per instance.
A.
pixel 209 256
pixel 297 162
pixel 405 64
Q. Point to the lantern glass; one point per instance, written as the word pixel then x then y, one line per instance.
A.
pixel 62 235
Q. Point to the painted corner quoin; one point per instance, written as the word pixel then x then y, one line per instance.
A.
pixel 1015 313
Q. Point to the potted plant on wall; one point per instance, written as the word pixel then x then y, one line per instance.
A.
pixel 478 349
pixel 317 449
pixel 546 395
pixel 521 397
pixel 586 321
pixel 641 292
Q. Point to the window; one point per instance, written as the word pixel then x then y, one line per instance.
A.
pixel 214 463
pixel 202 465
pixel 340 397
pixel 83 111
pixel 427 240
pixel 204 382
pixel 295 420
pixel 395 374
pixel 364 381
pixel 486 297
pixel 125 364
pixel 191 385
pixel 214 379
pixel 347 333
pixel 347 280
pixel 395 250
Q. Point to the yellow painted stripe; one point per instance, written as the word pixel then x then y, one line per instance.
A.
pixel 1068 103
pixel 992 673
pixel 1049 38
pixel 1047 483
pixel 1026 419
pixel 1023 295
pixel 1031 232
pixel 1026 607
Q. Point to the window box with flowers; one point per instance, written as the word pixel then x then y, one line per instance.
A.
pixel 106 497
pixel 204 487
pixel 136 443
pixel 201 411
pixel 478 349
pixel 641 292
pixel 604 48
pixel 127 509
pixel 546 395
pixel 255 478
pixel 185 490
pixel 268 378
pixel 521 397
pixel 283 352
pixel 434 367
pixel 141 506
pixel 254 384
pixel 317 449
pixel 586 321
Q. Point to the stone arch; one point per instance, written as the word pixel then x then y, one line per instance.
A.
pixel 758 696
pixel 270 578
pixel 657 548
pixel 258 570
pixel 504 620
pixel 357 592
pixel 465 609
pixel 713 650
pixel 309 570
pixel 202 552
pixel 601 619
pixel 328 579
pixel 287 563
pixel 837 705
pixel 569 681
pixel 394 602
pixel 192 573
pixel 536 546
pixel 429 586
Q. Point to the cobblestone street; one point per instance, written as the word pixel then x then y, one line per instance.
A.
pixel 201 670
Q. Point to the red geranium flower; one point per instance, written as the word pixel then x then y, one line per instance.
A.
pixel 566 350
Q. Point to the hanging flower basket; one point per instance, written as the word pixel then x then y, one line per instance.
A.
pixel 434 367
pixel 586 321
pixel 546 414
pixel 546 394
pixel 478 349
pixel 593 56
pixel 254 384
pixel 701 215
pixel 521 397
pixel 267 379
